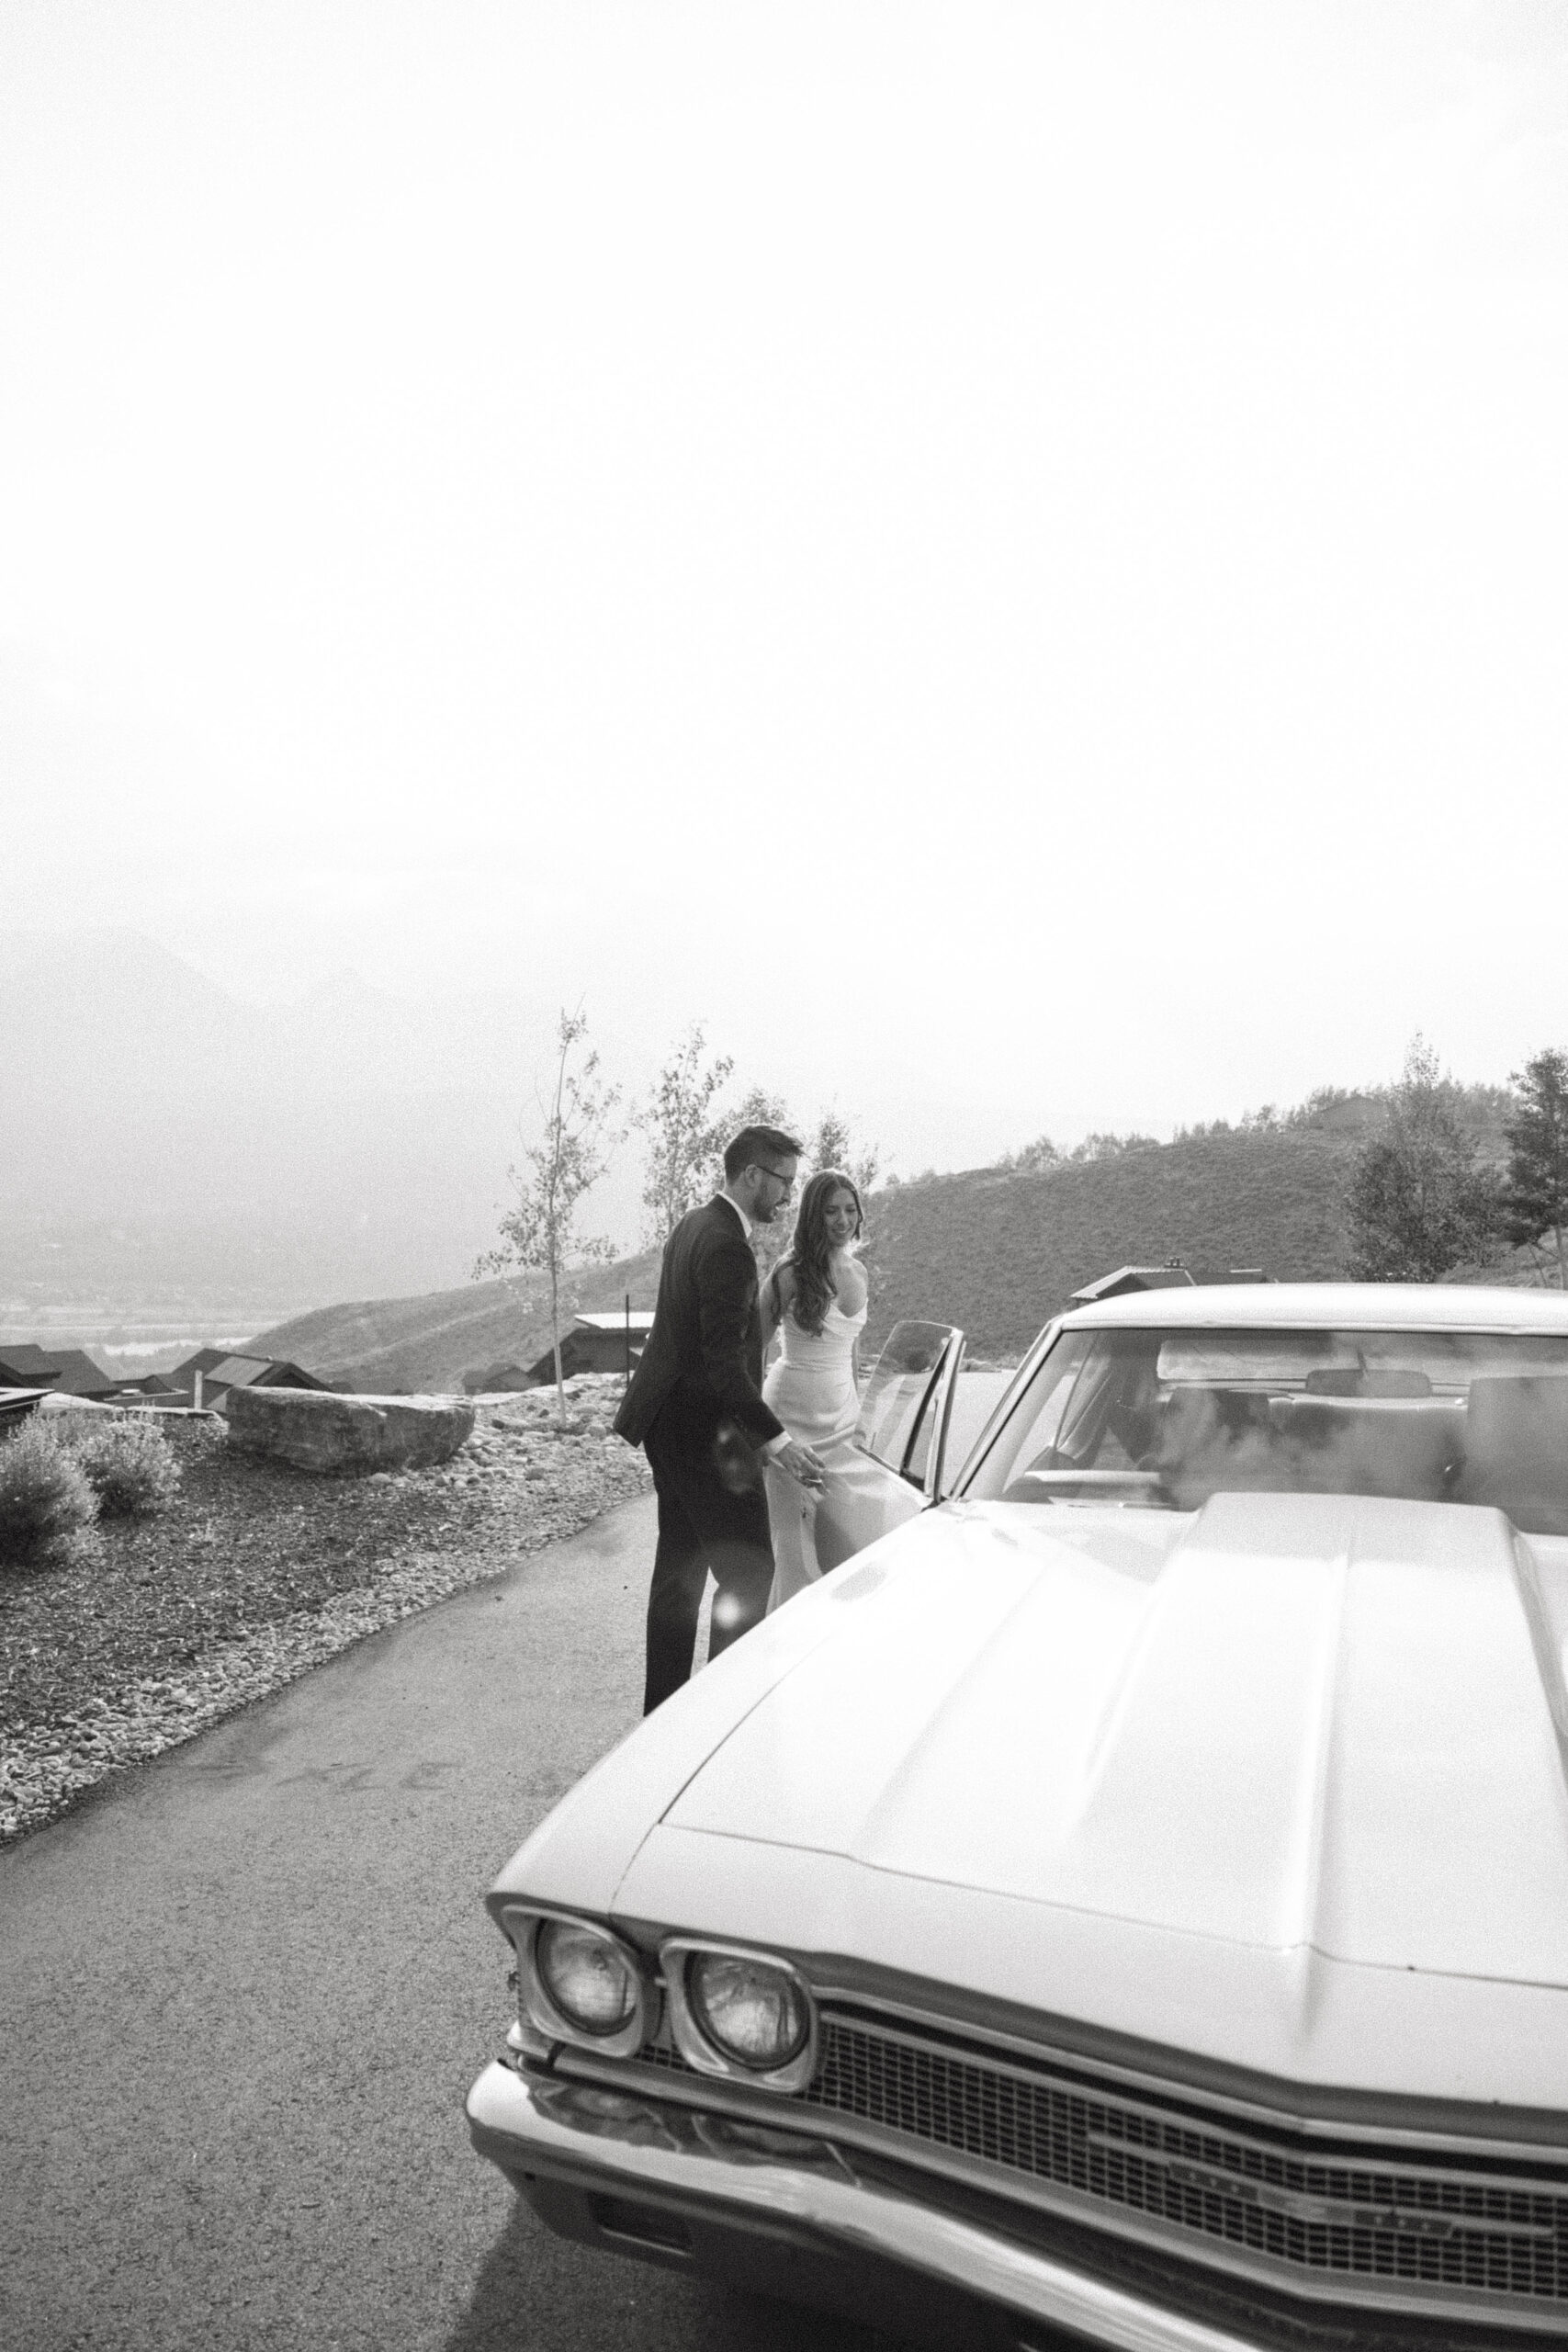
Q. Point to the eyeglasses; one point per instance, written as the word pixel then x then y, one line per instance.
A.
pixel 787 1182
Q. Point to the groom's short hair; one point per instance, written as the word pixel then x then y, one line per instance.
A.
pixel 741 1150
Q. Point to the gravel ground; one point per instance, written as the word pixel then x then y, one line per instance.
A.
pixel 155 1628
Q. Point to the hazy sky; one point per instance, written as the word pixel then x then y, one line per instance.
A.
pixel 1013 560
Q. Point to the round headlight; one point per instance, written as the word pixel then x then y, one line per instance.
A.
pixel 587 1976
pixel 752 2012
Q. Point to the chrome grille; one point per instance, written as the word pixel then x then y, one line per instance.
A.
pixel 1464 2225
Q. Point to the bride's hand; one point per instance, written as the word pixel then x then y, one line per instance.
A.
pixel 800 1462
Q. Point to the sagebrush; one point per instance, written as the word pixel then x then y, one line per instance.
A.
pixel 129 1465
pixel 46 1499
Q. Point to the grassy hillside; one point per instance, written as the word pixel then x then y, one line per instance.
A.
pixel 1000 1252
pixel 396 1345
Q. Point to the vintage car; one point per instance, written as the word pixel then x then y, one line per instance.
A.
pixel 1128 1903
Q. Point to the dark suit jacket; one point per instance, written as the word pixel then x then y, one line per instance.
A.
pixel 705 1347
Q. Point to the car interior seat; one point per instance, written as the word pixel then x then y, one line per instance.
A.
pixel 1516 1450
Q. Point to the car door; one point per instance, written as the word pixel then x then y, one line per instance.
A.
pixel 900 1440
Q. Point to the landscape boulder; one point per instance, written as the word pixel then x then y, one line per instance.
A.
pixel 314 1430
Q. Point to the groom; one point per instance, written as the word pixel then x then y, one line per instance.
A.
pixel 695 1408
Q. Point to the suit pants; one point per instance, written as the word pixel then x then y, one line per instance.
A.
pixel 713 1513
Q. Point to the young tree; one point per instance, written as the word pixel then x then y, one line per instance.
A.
pixel 1417 1202
pixel 1535 1200
pixel 758 1108
pixel 829 1143
pixel 832 1145
pixel 685 1135
pixel 539 1232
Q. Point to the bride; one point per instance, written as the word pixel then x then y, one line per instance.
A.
pixel 815 1300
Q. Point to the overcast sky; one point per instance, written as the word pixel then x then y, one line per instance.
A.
pixel 1012 560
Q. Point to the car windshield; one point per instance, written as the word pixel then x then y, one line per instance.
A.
pixel 1165 1418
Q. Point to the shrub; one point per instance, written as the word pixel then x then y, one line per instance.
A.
pixel 129 1465
pixel 45 1498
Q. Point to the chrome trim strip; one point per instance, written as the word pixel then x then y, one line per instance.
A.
pixel 942 1414
pixel 521 1923
pixel 855 2005
pixel 653 2087
pixel 1166 2095
pixel 558 2127
pixel 982 2028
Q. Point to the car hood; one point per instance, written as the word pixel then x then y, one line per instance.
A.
pixel 1286 1721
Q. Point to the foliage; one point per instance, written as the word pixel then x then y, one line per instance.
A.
pixel 829 1143
pixel 758 1108
pixel 1535 1201
pixel 539 1233
pixel 130 1464
pixel 1103 1146
pixel 1269 1118
pixel 45 1498
pixel 1041 1153
pixel 1418 1201
pixel 686 1135
pixel 832 1145
pixel 1320 1099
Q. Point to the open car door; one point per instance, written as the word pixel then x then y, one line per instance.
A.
pixel 900 1440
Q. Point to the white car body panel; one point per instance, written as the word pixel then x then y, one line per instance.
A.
pixel 581 1852
pixel 1261 1808
pixel 1061 1759
pixel 1292 2016
pixel 1362 1760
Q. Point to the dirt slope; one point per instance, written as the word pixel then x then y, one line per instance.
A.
pixel 400 1345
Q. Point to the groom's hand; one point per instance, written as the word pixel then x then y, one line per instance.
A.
pixel 800 1462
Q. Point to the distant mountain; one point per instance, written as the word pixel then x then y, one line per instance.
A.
pixel 166 1146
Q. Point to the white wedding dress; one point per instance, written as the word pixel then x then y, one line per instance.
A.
pixel 811 1387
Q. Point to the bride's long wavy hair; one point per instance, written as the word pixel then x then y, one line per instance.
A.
pixel 810 1250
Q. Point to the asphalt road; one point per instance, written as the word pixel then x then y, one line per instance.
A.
pixel 241 1997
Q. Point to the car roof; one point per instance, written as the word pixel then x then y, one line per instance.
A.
pixel 1366 1307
